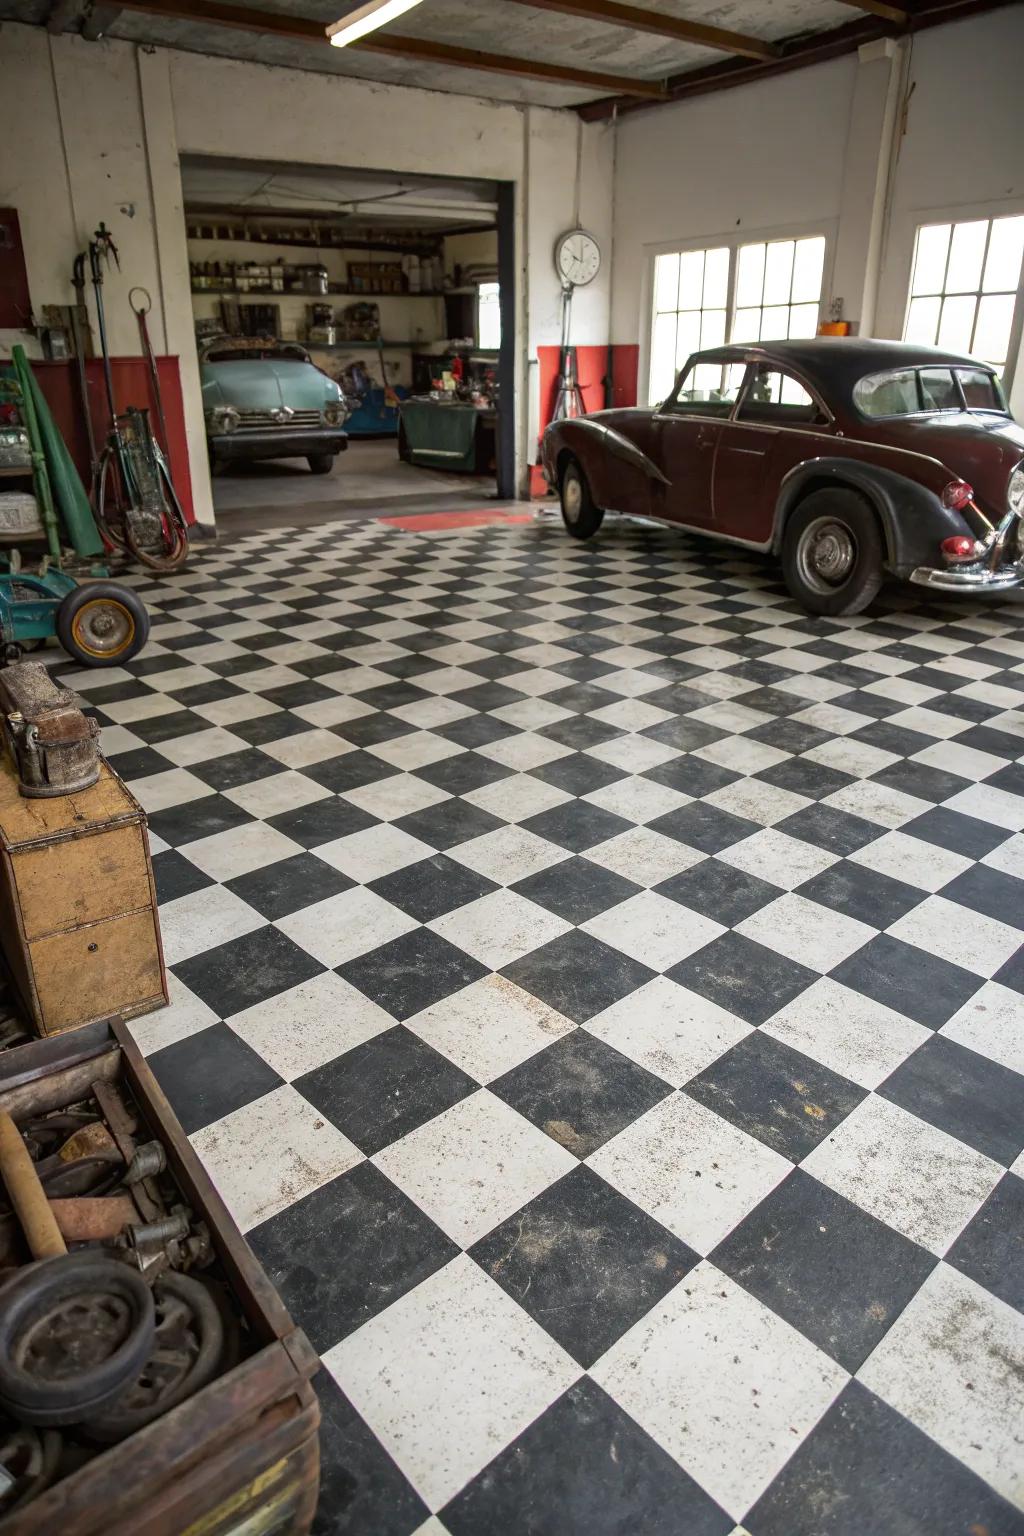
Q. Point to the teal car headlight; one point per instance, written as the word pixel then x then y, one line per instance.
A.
pixel 223 418
pixel 1015 490
pixel 333 413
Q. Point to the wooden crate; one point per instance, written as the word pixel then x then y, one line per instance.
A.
pixel 242 1456
pixel 78 919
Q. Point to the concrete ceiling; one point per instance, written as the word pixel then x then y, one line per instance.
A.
pixel 491 26
pixel 364 199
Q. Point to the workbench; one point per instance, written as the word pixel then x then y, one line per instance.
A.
pixel 448 434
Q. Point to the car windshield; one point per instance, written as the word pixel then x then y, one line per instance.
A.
pixel 918 391
pixel 255 354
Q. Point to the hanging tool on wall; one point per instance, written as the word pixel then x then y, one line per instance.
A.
pixel 140 311
pixel 568 395
pixel 78 338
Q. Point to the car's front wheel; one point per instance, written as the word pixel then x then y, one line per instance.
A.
pixel 581 517
pixel 832 555
pixel 320 463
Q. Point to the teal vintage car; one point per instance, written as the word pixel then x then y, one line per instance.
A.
pixel 265 399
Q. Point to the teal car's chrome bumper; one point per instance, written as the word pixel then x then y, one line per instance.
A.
pixel 277 442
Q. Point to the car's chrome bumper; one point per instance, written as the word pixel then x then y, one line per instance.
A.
pixel 976 577
pixel 277 442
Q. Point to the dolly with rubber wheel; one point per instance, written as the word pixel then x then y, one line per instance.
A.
pixel 99 623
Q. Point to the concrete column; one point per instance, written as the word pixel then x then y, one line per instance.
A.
pixel 867 169
pixel 175 297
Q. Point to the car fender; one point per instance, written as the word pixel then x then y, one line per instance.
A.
pixel 588 438
pixel 913 518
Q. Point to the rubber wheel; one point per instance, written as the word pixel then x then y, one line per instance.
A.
pixel 832 553
pixel 581 517
pixel 320 463
pixel 102 624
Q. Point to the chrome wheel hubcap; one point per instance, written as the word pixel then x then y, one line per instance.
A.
pixel 572 498
pixel 827 554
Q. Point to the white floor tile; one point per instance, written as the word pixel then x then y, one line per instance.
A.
pixel 507 854
pixel 400 794
pixel 159 791
pixel 301 1029
pixel 517 797
pixel 876 802
pixel 416 750
pixel 225 855
pixel 314 746
pixel 346 925
pixel 637 799
pixel 473 1165
pixel 990 804
pixel 806 931
pixel 185 1015
pixel 524 751
pixel 499 927
pixel 953 1364
pixel 633 754
pixel 448 1375
pixel 654 930
pixel 693 1171
pixel 751 1390
pixel 268 1154
pixel 907 1173
pixel 644 856
pixel 967 938
pixel 374 852
pixel 236 708
pixel 742 754
pixel 912 860
pixel 669 1030
pixel 278 793
pixel 991 1023
pixel 209 917
pixel 853 1035
pixel 775 856
pixel 489 1027
pixel 755 800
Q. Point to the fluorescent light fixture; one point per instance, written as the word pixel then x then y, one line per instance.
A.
pixel 367 18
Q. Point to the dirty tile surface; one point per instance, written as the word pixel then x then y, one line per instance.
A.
pixel 596 991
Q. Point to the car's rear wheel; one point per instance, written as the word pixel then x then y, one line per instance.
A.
pixel 581 517
pixel 320 463
pixel 832 555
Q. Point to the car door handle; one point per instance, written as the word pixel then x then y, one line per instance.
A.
pixel 706 438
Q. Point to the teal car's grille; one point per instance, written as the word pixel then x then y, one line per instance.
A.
pixel 281 417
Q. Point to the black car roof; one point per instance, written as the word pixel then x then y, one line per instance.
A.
pixel 836 362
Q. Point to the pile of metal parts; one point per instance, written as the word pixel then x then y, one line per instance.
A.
pixel 111 1312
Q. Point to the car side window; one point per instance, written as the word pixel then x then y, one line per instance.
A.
pixel 775 398
pixel 938 390
pixel 708 389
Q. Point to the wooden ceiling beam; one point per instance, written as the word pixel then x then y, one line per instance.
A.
pixel 880 8
pixel 639 20
pixel 302 29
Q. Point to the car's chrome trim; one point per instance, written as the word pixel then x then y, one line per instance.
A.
pixel 976 577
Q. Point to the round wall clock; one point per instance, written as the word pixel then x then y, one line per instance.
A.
pixel 577 258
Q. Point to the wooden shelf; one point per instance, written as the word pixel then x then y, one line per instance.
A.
pixel 302 293
pixel 9 471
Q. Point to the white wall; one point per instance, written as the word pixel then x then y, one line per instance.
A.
pixel 106 122
pixel 830 148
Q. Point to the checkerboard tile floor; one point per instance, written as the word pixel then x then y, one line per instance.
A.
pixel 597 991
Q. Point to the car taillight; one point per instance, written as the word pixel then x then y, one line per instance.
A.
pixel 959 547
pixel 957 494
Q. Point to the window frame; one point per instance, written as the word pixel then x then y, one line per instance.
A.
pixel 960 216
pixel 821 228
pixel 670 407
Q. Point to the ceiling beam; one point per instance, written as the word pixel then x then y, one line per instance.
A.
pixel 894 13
pixel 302 29
pixel 795 53
pixel 98 21
pixel 639 20
pixel 61 13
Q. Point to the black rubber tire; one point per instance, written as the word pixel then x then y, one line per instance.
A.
pixel 320 463
pixel 579 514
pixel 128 603
pixel 849 514
pixel 70 1396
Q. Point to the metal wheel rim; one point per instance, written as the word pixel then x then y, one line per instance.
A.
pixel 826 554
pixel 572 498
pixel 103 627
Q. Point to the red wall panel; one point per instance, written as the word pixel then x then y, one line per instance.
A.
pixel 591 370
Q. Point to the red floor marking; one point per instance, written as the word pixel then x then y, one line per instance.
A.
pixel 424 522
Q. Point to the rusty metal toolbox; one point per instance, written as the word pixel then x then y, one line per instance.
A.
pixel 78 914
pixel 240 1457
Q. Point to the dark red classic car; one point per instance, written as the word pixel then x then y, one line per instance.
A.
pixel 850 459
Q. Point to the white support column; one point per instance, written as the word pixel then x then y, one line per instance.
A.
pixel 175 299
pixel 871 145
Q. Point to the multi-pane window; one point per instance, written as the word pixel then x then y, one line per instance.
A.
pixel 691 291
pixel 963 290
pixel 488 317
pixel 778 289
pixel 756 292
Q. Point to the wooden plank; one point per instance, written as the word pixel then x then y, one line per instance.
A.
pixel 90 972
pixel 25 822
pixel 638 20
pixel 301 29
pixel 81 880
pixel 879 8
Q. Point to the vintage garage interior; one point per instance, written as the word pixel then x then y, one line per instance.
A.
pixel 512 783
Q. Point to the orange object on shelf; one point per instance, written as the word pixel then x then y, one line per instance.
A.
pixel 834 328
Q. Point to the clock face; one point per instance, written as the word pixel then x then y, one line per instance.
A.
pixel 577 257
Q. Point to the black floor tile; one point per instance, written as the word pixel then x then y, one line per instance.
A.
pixel 181 824
pixel 412 972
pixel 719 891
pixel 449 823
pixel 742 976
pixel 385 1088
pixel 432 887
pixel 991 1247
pixel 321 822
pixel 578 975
pixel 576 889
pixel 838 1275
pixel 236 768
pixel 208 1075
pixel 576 825
pixel 967 1095
pixel 554 1480
pixel 237 975
pixel 176 876
pixel 862 893
pixel 703 826
pixel 580 1091
pixel 915 983
pixel 361 1488
pixel 835 831
pixel 960 834
pixel 383 1242
pixel 584 1262
pixel 276 890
